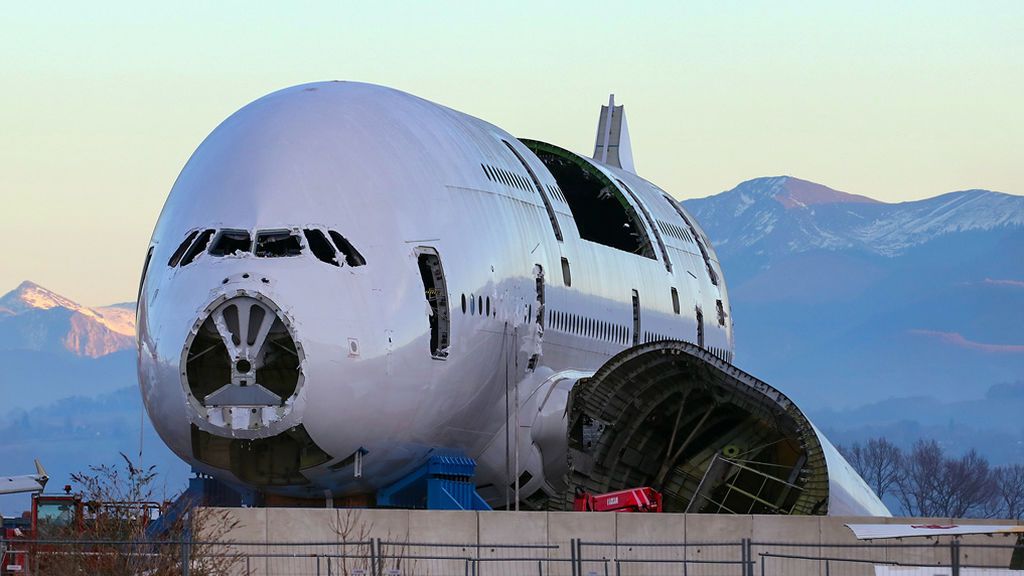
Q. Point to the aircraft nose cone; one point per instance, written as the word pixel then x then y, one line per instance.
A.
pixel 242 365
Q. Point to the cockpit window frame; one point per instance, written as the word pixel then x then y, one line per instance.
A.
pixel 198 247
pixel 289 232
pixel 214 249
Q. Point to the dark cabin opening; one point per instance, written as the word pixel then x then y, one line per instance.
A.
pixel 231 241
pixel 602 212
pixel 145 270
pixel 700 327
pixel 197 247
pixel 436 292
pixel 352 256
pixel 176 257
pixel 277 244
pixel 320 247
pixel 636 317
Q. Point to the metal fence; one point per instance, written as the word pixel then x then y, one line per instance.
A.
pixel 378 557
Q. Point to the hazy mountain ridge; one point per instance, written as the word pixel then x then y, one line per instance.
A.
pixel 781 215
pixel 34 318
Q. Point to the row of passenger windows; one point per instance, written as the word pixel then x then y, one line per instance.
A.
pixel 654 337
pixel 677 232
pixel 507 178
pixel 721 353
pixel 478 305
pixel 557 193
pixel 278 243
pixel 588 327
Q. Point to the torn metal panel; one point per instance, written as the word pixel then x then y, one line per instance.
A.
pixel 709 436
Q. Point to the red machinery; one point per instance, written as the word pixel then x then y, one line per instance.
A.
pixel 633 500
pixel 56 516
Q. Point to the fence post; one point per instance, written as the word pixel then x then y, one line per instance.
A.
pixel 748 566
pixel 184 558
pixel 954 557
pixel 376 566
pixel 572 556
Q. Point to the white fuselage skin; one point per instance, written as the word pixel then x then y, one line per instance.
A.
pixel 394 173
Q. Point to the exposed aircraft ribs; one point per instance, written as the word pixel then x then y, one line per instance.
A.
pixel 711 437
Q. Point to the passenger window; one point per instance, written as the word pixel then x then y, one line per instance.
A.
pixel 197 247
pixel 566 272
pixel 352 256
pixel 675 300
pixel 277 244
pixel 176 257
pixel 320 247
pixel 231 241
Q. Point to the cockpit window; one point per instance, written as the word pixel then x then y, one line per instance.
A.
pixel 277 244
pixel 176 257
pixel 352 256
pixel 230 242
pixel 197 247
pixel 321 248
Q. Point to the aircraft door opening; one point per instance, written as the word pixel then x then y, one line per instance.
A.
pixel 538 318
pixel 436 292
pixel 700 327
pixel 636 317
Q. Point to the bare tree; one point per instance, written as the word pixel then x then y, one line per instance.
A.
pixel 1008 488
pixel 969 486
pixel 920 478
pixel 879 463
pixel 931 484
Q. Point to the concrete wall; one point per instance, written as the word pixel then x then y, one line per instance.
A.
pixel 710 542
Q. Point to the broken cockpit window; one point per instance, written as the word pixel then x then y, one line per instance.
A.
pixel 197 247
pixel 321 248
pixel 277 244
pixel 176 257
pixel 352 256
pixel 231 242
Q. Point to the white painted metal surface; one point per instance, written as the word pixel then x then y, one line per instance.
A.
pixel 399 177
pixel 879 531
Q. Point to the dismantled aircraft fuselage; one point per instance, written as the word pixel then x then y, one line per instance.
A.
pixel 347 279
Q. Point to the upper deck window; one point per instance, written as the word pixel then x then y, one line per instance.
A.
pixel 602 213
pixel 231 241
pixel 277 244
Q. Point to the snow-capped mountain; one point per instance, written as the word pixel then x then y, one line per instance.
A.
pixel 34 318
pixel 841 300
pixel 786 215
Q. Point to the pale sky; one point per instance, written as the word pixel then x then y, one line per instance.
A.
pixel 103 102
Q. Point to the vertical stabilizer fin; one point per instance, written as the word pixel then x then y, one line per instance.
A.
pixel 612 144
